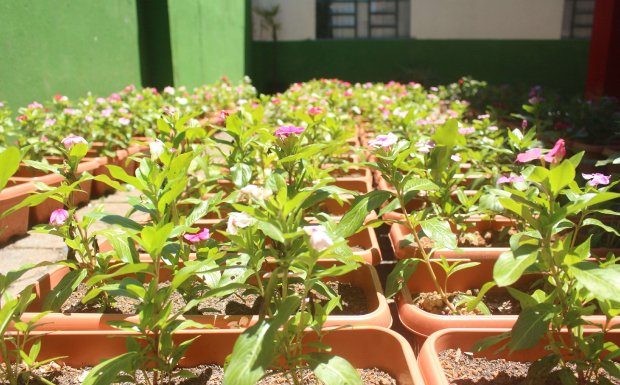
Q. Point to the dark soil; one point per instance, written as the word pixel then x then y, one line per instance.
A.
pixel 463 368
pixel 205 375
pixel 499 303
pixel 239 303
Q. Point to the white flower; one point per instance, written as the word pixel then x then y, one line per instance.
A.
pixel 319 239
pixel 255 192
pixel 238 221
pixel 384 141
pixel 181 101
pixel 169 90
pixel 156 149
pixel 456 158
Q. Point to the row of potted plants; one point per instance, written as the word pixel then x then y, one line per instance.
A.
pixel 269 221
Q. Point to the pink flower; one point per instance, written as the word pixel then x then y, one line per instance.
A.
pixel 524 124
pixel 59 217
pixel 60 98
pixel 71 111
pixel 124 121
pixel 384 141
pixel 107 112
pixel 169 90
pixel 114 97
pixel 35 105
pixel 21 118
pixel 100 100
pixel 200 236
pixel 49 122
pixel 286 131
pixel 529 155
pixel 466 130
pixel 315 110
pixel 557 153
pixel 72 140
pixel 88 118
pixel 510 179
pixel 348 92
pixel 596 179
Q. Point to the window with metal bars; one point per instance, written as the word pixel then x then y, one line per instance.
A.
pixel 368 19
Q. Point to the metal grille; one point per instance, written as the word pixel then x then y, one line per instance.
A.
pixel 347 19
pixel 578 19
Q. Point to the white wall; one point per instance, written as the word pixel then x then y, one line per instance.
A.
pixel 439 19
pixel 486 19
pixel 296 17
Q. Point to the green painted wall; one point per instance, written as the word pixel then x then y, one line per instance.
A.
pixel 68 47
pixel 561 64
pixel 208 39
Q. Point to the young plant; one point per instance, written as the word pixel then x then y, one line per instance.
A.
pixel 278 339
pixel 572 283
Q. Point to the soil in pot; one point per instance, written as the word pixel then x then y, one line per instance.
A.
pixel 498 303
pixel 354 302
pixel 476 238
pixel 205 375
pixel 464 368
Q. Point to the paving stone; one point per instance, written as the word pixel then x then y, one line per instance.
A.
pixel 14 258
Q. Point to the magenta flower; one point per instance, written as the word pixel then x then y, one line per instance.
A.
pixel 72 140
pixel 529 155
pixel 384 141
pixel 107 112
pixel 557 153
pixel 510 179
pixel 596 179
pixel 286 131
pixel 200 236
pixel 59 217
pixel 315 110
pixel 524 124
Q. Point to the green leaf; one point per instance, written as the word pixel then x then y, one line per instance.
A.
pixel 603 283
pixel 9 159
pixel 560 176
pixel 353 220
pixel 270 230
pixel 333 370
pixel 440 232
pixel 108 371
pixel 241 174
pixel 61 292
pixel 399 276
pixel 531 326
pixel 598 223
pixel 255 348
pixel 511 265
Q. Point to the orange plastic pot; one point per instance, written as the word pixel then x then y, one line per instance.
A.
pixel 423 323
pixel 16 223
pixel 365 277
pixel 41 213
pixel 390 351
pixel 465 339
pixel 398 233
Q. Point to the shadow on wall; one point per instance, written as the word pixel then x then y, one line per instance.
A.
pixel 559 64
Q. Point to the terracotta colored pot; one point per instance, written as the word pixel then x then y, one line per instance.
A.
pixel 16 223
pixel 355 179
pixel 41 213
pixel 365 277
pixel 398 233
pixel 390 352
pixel 423 323
pixel 465 339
